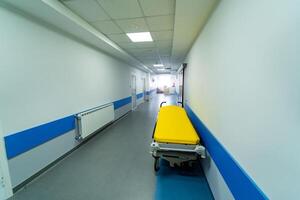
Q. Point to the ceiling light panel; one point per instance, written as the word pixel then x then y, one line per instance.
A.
pixel 158 65
pixel 140 37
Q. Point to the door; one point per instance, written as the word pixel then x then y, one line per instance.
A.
pixel 133 91
pixel 144 89
pixel 5 184
pixel 180 85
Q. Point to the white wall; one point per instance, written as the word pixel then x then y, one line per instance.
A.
pixel 243 80
pixel 45 75
pixel 5 182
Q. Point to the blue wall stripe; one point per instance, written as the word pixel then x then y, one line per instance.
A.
pixel 140 95
pixel 149 92
pixel 121 102
pixel 25 140
pixel 237 180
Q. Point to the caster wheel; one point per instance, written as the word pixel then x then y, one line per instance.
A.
pixel 156 164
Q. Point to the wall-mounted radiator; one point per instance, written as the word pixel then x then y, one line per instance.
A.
pixel 92 120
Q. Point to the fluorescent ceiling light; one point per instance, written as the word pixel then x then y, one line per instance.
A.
pixel 140 37
pixel 161 69
pixel 158 65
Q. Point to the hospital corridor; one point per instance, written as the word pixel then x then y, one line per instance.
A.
pixel 149 99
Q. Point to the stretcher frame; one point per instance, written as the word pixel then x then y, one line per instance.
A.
pixel 175 154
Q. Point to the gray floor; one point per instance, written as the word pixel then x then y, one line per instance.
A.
pixel 115 164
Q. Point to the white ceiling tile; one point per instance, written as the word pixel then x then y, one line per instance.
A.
pixel 164 44
pixel 119 38
pixel 165 58
pixel 193 21
pixel 146 51
pixel 162 35
pixel 158 7
pixel 120 9
pixel 148 61
pixel 144 44
pixel 133 25
pixel 145 55
pixel 107 27
pixel 164 52
pixel 166 49
pixel 127 45
pixel 89 10
pixel 161 23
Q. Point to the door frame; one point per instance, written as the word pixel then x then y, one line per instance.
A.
pixel 6 181
pixel 144 88
pixel 133 94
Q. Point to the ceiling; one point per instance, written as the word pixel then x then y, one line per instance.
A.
pixel 173 25
pixel 115 18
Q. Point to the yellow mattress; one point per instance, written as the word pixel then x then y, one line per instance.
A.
pixel 174 126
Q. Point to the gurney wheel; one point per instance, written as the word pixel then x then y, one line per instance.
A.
pixel 156 164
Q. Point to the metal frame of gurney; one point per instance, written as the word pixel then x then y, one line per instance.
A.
pixel 175 152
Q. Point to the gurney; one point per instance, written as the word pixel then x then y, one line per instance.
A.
pixel 174 138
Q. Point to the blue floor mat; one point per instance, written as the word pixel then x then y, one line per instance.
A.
pixel 181 183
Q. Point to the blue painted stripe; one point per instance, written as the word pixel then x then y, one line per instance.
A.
pixel 237 180
pixel 149 92
pixel 121 102
pixel 140 95
pixel 25 140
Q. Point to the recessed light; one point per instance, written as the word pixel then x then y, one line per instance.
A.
pixel 162 69
pixel 140 37
pixel 158 65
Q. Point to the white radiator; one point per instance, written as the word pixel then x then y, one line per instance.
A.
pixel 92 120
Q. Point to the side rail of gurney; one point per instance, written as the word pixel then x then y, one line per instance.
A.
pixel 197 149
pixel 163 102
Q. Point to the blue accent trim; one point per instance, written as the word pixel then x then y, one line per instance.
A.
pixel 149 92
pixel 140 95
pixel 121 102
pixel 23 141
pixel 237 180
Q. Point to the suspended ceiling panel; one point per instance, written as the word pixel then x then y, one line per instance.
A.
pixel 104 24
pixel 190 18
pixel 127 16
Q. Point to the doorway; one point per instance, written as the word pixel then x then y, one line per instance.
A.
pixel 133 91
pixel 144 89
